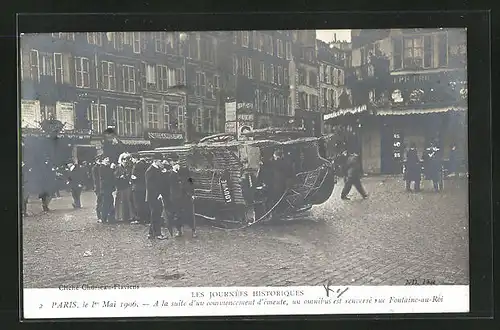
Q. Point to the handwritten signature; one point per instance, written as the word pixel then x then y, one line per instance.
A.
pixel 339 291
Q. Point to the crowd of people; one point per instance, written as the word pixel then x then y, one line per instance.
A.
pixel 428 167
pixel 431 165
pixel 46 181
pixel 157 192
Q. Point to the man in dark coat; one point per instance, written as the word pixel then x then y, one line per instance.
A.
pixel 97 187
pixel 154 187
pixel 46 178
pixel 182 197
pixel 353 177
pixel 413 168
pixel 435 168
pixel 138 179
pixel 76 179
pixel 107 187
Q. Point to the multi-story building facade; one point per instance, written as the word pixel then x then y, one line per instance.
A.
pixel 334 69
pixel 90 81
pixel 414 82
pixel 260 67
pixel 304 80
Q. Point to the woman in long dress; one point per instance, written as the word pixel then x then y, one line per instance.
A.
pixel 124 210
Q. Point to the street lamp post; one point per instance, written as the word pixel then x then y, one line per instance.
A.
pixel 184 89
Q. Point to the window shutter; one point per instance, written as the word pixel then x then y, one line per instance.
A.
pixel 69 69
pixel 143 72
pixel 119 77
pixel 92 73
pixel 26 66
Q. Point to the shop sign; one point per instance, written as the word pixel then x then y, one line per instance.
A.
pixel 344 111
pixel 397 145
pixel 230 127
pixel 165 136
pixel 245 117
pixel 230 111
pixel 65 112
pixel 245 105
pixel 30 114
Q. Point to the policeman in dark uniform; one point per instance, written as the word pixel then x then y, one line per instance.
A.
pixel 97 187
pixel 107 186
pixel 413 169
pixel 138 179
pixel 182 197
pixel 353 177
pixel 76 179
pixel 154 178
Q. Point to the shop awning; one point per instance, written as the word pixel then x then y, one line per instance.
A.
pixel 402 112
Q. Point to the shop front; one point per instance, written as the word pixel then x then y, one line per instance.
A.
pixel 60 149
pixel 445 129
pixel 164 139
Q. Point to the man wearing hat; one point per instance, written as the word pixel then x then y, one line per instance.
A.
pixel 353 177
pixel 107 187
pixel 154 188
pixel 413 168
pixel 75 181
pixel 182 197
pixel 46 178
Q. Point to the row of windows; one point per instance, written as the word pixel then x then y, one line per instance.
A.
pixel 308 78
pixel 422 51
pixel 272 103
pixel 172 117
pixel 331 75
pixel 153 77
pixel 264 43
pixel 418 52
pixel 274 74
pixel 328 98
pixel 128 120
pixel 308 101
pixel 203 48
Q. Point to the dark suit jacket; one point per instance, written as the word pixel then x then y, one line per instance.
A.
pixel 107 177
pixel 76 177
pixel 154 179
pixel 139 171
pixel 354 167
pixel 96 177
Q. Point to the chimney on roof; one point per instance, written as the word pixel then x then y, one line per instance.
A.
pixel 335 37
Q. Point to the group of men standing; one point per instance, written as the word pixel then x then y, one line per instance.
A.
pixel 431 165
pixel 156 192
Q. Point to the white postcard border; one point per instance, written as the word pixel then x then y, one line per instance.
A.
pixel 83 302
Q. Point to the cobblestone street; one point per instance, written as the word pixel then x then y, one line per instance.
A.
pixel 387 239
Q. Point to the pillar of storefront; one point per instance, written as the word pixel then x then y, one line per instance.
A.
pixel 370 146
